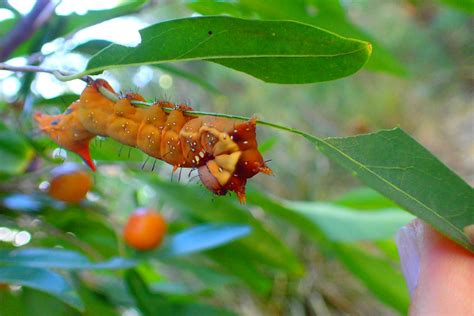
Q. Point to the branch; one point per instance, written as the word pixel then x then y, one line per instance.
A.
pixel 60 75
pixel 26 27
pixel 114 97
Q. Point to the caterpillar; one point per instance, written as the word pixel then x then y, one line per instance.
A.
pixel 223 150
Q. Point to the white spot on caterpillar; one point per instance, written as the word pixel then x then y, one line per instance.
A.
pixel 197 158
pixel 245 142
pixel 201 154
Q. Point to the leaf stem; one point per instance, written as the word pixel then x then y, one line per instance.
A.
pixel 114 97
pixel 62 76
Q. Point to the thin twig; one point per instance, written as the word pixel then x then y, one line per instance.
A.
pixel 27 68
pixel 115 97
pixel 30 68
pixel 26 27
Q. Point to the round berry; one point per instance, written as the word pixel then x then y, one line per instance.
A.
pixel 69 183
pixel 145 229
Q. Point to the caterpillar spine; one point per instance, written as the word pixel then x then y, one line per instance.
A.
pixel 223 150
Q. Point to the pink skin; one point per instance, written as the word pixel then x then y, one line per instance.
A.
pixel 438 272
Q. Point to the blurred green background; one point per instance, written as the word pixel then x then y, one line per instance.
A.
pixel 300 257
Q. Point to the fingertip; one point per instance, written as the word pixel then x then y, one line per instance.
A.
pixel 439 272
pixel 409 239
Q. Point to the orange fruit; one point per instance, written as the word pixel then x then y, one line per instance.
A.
pixel 145 229
pixel 69 183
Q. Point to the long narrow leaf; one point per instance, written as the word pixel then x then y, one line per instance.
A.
pixel 42 280
pixel 273 51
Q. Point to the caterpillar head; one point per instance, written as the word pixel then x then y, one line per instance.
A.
pixel 66 131
pixel 236 158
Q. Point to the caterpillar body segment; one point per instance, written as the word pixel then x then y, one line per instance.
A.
pixel 223 150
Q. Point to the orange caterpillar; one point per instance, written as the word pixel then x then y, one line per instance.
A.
pixel 224 150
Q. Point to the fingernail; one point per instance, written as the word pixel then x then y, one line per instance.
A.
pixel 408 241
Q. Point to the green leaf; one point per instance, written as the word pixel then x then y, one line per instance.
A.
pixel 267 144
pixel 244 264
pixel 208 276
pixel 394 164
pixel 464 5
pixel 91 47
pixel 94 46
pixel 203 237
pixel 290 216
pixel 325 14
pixel 364 198
pixel 200 204
pixel 273 51
pixel 377 274
pixel 145 300
pixel 58 258
pixel 346 224
pixel 211 7
pixel 62 101
pixel 42 280
pixel 15 152
pixel 7 25
pixel 151 304
pixel 81 223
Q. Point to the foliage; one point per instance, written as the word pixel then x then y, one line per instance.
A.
pixel 219 256
pixel 236 43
